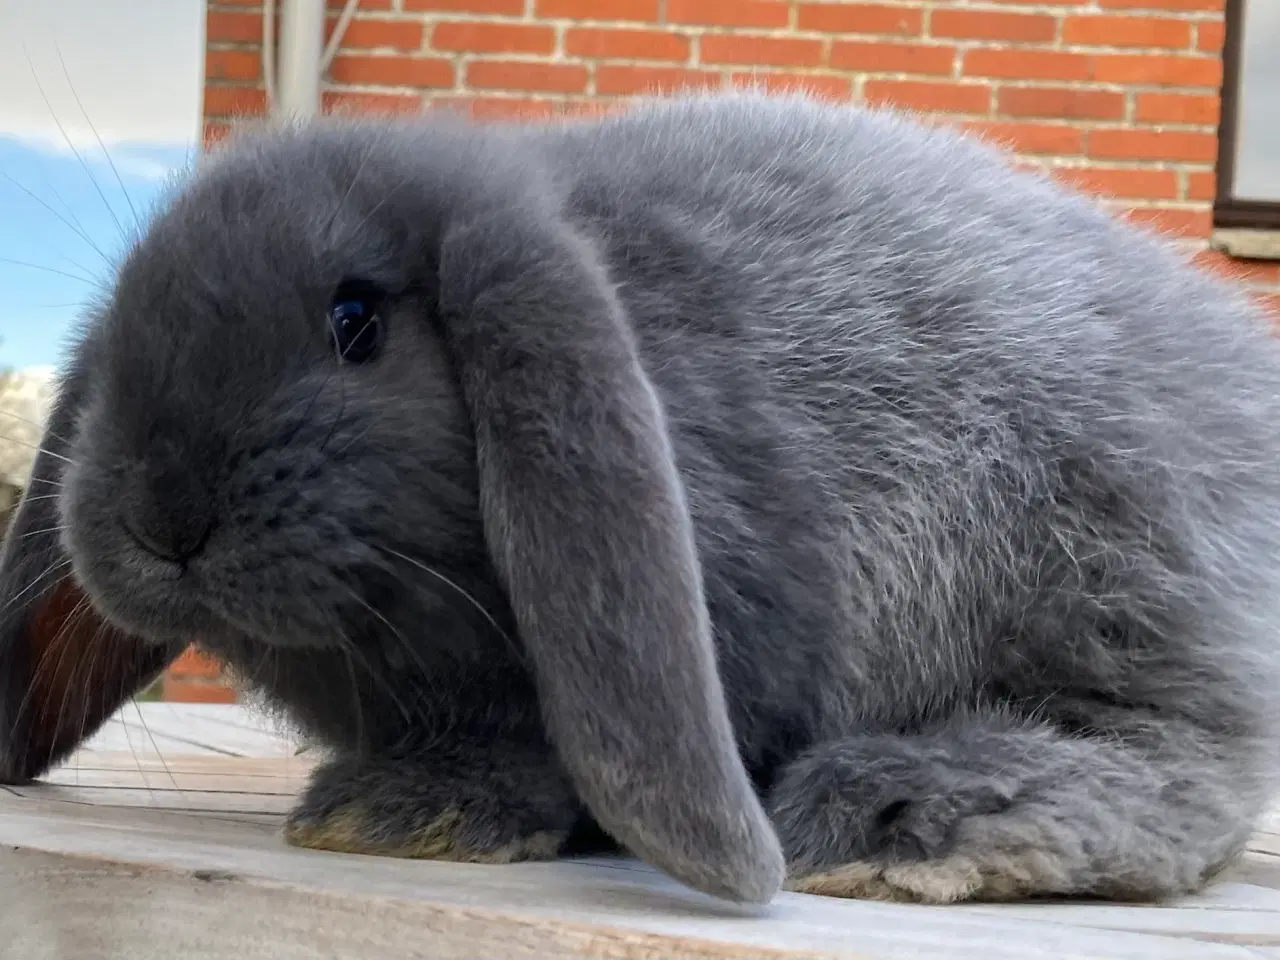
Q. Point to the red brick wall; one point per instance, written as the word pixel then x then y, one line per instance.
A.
pixel 196 678
pixel 1117 97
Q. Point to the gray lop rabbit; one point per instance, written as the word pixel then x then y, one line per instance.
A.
pixel 794 495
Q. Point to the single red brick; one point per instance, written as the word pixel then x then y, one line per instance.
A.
pixel 522 75
pixel 622 80
pixel 1153 145
pixel 1176 223
pixel 225 101
pixel 1064 102
pixel 599 9
pixel 772 51
pixel 1203 185
pixel 393 71
pixel 1121 182
pixel 482 37
pixel 992 25
pixel 232 64
pixel 1177 108
pixel 729 13
pixel 1158 69
pixel 364 34
pixel 872 56
pixel 625 44
pixel 228 26
pixel 930 96
pixel 1028 64
pixel 823 86
pixel 1121 31
pixel 1210 36
pixel 866 18
pixel 1047 139
pixel 359 102
pixel 1171 6
pixel 513 8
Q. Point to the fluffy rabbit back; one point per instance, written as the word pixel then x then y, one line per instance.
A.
pixel 980 474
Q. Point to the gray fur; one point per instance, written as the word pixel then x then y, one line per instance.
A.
pixel 952 500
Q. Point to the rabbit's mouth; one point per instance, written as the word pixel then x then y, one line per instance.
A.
pixel 287 591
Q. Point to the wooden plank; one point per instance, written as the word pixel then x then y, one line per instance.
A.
pixel 177 728
pixel 146 865
pixel 174 851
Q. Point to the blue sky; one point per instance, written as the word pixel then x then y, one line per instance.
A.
pixel 40 305
pixel 73 71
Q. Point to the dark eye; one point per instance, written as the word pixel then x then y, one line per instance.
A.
pixel 355 323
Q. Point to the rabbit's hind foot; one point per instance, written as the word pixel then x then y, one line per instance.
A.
pixel 996 809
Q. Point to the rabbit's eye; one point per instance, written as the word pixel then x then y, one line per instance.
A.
pixel 355 325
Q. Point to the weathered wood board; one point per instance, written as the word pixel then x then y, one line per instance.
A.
pixel 160 839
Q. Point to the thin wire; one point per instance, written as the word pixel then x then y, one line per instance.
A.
pixel 339 31
pixel 269 50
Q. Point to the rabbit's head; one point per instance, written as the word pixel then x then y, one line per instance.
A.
pixel 343 360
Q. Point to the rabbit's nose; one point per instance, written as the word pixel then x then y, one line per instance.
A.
pixel 169 515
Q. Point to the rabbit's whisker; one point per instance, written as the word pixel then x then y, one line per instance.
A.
pixel 73 227
pixel 34 423
pixel 404 642
pixel 54 270
pixel 355 179
pixel 342 400
pixel 35 533
pixel 37 447
pixel 142 721
pixel 71 146
pixel 106 153
pixel 458 589
pixel 52 568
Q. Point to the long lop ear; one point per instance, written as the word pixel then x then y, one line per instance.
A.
pixel 63 669
pixel 586 521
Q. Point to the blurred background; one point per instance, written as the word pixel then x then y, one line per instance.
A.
pixel 1164 110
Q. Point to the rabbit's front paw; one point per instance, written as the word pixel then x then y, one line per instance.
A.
pixel 408 807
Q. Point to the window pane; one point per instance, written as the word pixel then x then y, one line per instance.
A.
pixel 1257 172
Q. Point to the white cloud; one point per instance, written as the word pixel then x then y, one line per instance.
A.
pixel 136 67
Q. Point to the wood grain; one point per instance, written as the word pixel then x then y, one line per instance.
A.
pixel 170 848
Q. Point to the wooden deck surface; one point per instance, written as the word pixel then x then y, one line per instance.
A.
pixel 160 839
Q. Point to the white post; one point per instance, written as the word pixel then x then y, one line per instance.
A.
pixel 301 52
